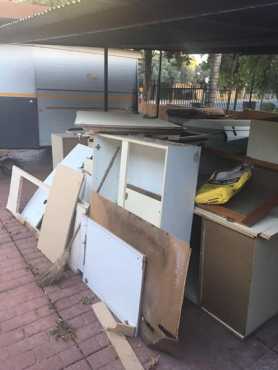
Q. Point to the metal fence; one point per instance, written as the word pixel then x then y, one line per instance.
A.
pixel 197 97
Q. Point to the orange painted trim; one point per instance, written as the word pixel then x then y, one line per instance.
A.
pixel 18 95
pixel 64 97
pixel 82 97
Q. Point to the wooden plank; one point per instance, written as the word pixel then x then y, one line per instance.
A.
pixel 255 115
pixel 124 350
pixel 166 270
pixel 227 213
pixel 248 219
pixel 114 271
pixel 245 230
pixel 60 209
pixel 260 212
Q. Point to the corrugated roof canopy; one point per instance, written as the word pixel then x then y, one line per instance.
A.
pixel 189 25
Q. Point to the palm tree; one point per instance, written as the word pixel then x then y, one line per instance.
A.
pixel 215 64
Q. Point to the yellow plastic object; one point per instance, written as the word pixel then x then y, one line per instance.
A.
pixel 221 194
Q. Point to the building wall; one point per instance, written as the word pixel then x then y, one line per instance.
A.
pixel 41 88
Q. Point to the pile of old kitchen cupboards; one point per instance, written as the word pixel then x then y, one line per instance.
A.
pixel 122 209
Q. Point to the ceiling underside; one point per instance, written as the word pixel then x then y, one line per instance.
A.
pixel 201 26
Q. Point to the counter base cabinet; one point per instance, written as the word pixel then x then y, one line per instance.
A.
pixel 239 277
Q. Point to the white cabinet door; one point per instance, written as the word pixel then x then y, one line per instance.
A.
pixel 114 271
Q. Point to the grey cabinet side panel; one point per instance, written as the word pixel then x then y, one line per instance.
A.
pixel 227 271
pixel 264 293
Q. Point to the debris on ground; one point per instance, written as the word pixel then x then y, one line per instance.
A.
pixel 63 331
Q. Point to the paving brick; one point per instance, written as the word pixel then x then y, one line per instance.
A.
pixel 66 292
pixel 84 319
pixel 11 337
pixel 80 365
pixel 18 321
pixel 67 302
pixel 53 363
pixel 70 356
pixel 18 347
pixel 4 239
pixel 8 285
pixel 21 235
pixel 102 358
pixel 27 243
pixel 94 344
pixel 15 274
pixel 72 279
pixel 88 331
pixel 74 311
pixel 43 324
pixel 22 361
pixel 117 365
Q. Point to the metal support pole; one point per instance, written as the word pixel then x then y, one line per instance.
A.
pixel 106 79
pixel 158 85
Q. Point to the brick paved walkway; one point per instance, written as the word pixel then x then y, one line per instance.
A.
pixel 27 312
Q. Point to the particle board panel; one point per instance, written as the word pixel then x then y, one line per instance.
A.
pixel 166 269
pixel 124 350
pixel 59 212
pixel 114 271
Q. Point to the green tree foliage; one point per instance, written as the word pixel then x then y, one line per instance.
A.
pixel 254 73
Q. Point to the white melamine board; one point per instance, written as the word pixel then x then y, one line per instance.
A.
pixel 179 190
pixel 35 208
pixel 123 173
pixel 119 119
pixel 77 248
pixel 104 151
pixel 114 271
pixel 18 175
pixel 263 141
pixel 146 166
pixel 143 206
pixel 266 228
